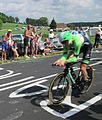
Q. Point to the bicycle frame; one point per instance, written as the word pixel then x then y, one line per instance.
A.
pixel 67 72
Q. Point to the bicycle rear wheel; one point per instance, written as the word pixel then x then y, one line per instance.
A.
pixel 86 87
pixel 58 88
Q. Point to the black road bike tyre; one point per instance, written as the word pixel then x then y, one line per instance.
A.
pixel 60 78
pixel 90 73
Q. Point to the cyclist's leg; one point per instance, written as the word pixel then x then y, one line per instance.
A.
pixel 83 67
pixel 83 70
pixel 86 59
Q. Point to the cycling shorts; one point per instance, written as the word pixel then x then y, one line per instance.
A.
pixel 86 50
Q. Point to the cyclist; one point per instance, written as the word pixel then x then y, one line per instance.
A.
pixel 79 44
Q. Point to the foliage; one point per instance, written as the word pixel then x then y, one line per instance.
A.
pixel 53 24
pixel 90 24
pixel 16 19
pixel 9 19
pixel 43 21
pixel 1 23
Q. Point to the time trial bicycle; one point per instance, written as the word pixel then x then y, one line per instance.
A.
pixel 59 86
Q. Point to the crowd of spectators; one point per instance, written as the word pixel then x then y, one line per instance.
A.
pixel 34 41
pixel 37 44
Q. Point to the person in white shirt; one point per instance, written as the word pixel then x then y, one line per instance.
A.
pixel 51 35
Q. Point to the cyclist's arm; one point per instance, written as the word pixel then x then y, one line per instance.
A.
pixel 75 53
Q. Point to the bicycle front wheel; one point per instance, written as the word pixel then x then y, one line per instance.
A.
pixel 58 88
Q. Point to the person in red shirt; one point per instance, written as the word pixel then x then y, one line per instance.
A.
pixel 8 39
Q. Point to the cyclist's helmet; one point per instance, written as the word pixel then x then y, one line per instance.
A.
pixel 65 36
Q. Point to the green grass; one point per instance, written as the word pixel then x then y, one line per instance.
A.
pixel 18 29
pixel 13 27
pixel 92 38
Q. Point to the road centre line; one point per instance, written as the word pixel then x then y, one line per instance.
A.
pixel 18 81
pixel 13 86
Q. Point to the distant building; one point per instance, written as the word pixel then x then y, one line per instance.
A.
pixel 61 26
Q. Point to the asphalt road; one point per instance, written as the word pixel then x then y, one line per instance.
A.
pixel 23 93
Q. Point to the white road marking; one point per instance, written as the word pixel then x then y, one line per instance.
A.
pixel 18 81
pixel 24 83
pixel 10 72
pixel 16 93
pixel 1 68
pixel 8 76
pixel 96 63
pixel 96 51
pixel 75 110
pixel 83 106
pixel 48 109
pixel 96 59
pixel 43 104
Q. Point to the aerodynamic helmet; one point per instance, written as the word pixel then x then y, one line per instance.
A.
pixel 65 36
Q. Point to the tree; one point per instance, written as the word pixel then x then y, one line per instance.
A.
pixel 1 23
pixel 53 24
pixel 12 19
pixel 43 21
pixel 16 19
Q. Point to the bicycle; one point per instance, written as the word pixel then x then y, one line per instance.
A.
pixel 59 86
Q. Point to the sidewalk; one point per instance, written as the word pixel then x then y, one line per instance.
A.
pixel 22 59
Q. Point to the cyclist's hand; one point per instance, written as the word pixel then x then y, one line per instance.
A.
pixel 60 63
pixel 63 63
pixel 56 63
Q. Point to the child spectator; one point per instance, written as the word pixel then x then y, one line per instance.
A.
pixel 47 44
pixel 4 50
pixel 33 42
pixel 36 45
pixel 41 44
pixel 14 50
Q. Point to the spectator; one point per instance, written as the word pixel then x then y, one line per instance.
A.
pixel 51 35
pixel 14 50
pixel 98 37
pixel 47 44
pixel 36 45
pixel 41 44
pixel 27 36
pixel 4 50
pixel 8 38
pixel 33 42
